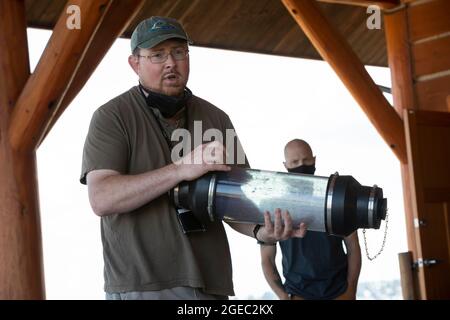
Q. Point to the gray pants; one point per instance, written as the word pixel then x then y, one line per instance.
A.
pixel 178 293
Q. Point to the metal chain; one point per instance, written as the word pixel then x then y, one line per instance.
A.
pixel 382 245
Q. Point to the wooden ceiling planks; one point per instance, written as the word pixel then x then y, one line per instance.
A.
pixel 260 26
pixel 264 26
pixel 34 11
pixel 214 30
pixel 53 10
pixel 205 28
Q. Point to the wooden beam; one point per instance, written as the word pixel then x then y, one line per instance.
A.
pixel 14 63
pixel 399 60
pixel 53 74
pixel 448 103
pixel 405 261
pixel 120 14
pixel 336 51
pixel 21 264
pixel 25 266
pixel 383 4
pixel 400 63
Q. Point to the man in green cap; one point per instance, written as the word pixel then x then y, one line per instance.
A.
pixel 149 251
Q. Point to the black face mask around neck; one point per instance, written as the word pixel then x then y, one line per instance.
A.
pixel 305 169
pixel 167 105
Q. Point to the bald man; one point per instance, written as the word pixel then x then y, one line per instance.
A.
pixel 316 266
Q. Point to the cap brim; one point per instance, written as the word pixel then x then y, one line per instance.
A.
pixel 155 41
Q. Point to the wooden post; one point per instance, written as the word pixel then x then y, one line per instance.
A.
pixel 336 51
pixel 415 37
pixel 120 15
pixel 54 72
pixel 399 59
pixel 405 261
pixel 21 266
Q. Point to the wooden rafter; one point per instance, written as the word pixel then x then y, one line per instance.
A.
pixel 336 51
pixel 120 14
pixel 383 4
pixel 54 72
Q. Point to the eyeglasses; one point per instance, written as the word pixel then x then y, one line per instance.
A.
pixel 161 56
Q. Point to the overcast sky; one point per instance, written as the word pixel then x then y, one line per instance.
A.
pixel 270 100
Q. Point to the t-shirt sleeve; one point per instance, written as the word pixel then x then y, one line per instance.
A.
pixel 106 145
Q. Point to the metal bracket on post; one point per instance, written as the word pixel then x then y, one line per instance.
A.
pixel 419 223
pixel 420 263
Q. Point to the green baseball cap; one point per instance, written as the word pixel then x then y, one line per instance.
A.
pixel 155 30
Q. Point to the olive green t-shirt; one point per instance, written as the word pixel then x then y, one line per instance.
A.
pixel 146 249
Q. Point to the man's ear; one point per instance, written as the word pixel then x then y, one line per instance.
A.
pixel 314 160
pixel 284 162
pixel 133 61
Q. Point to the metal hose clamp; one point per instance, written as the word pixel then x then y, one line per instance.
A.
pixel 330 201
pixel 371 205
pixel 212 185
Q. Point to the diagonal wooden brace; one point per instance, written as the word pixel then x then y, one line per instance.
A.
pixel 337 52
pixel 54 72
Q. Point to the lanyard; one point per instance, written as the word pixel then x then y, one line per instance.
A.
pixel 164 133
pixel 186 218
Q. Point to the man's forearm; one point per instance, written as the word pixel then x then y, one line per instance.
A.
pixel 354 265
pixel 274 280
pixel 354 268
pixel 353 259
pixel 124 193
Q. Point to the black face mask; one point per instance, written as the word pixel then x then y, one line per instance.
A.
pixel 167 105
pixel 303 169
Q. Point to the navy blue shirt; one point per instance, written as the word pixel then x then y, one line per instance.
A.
pixel 315 267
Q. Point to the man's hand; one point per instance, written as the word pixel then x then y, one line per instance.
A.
pixel 206 157
pixel 281 229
